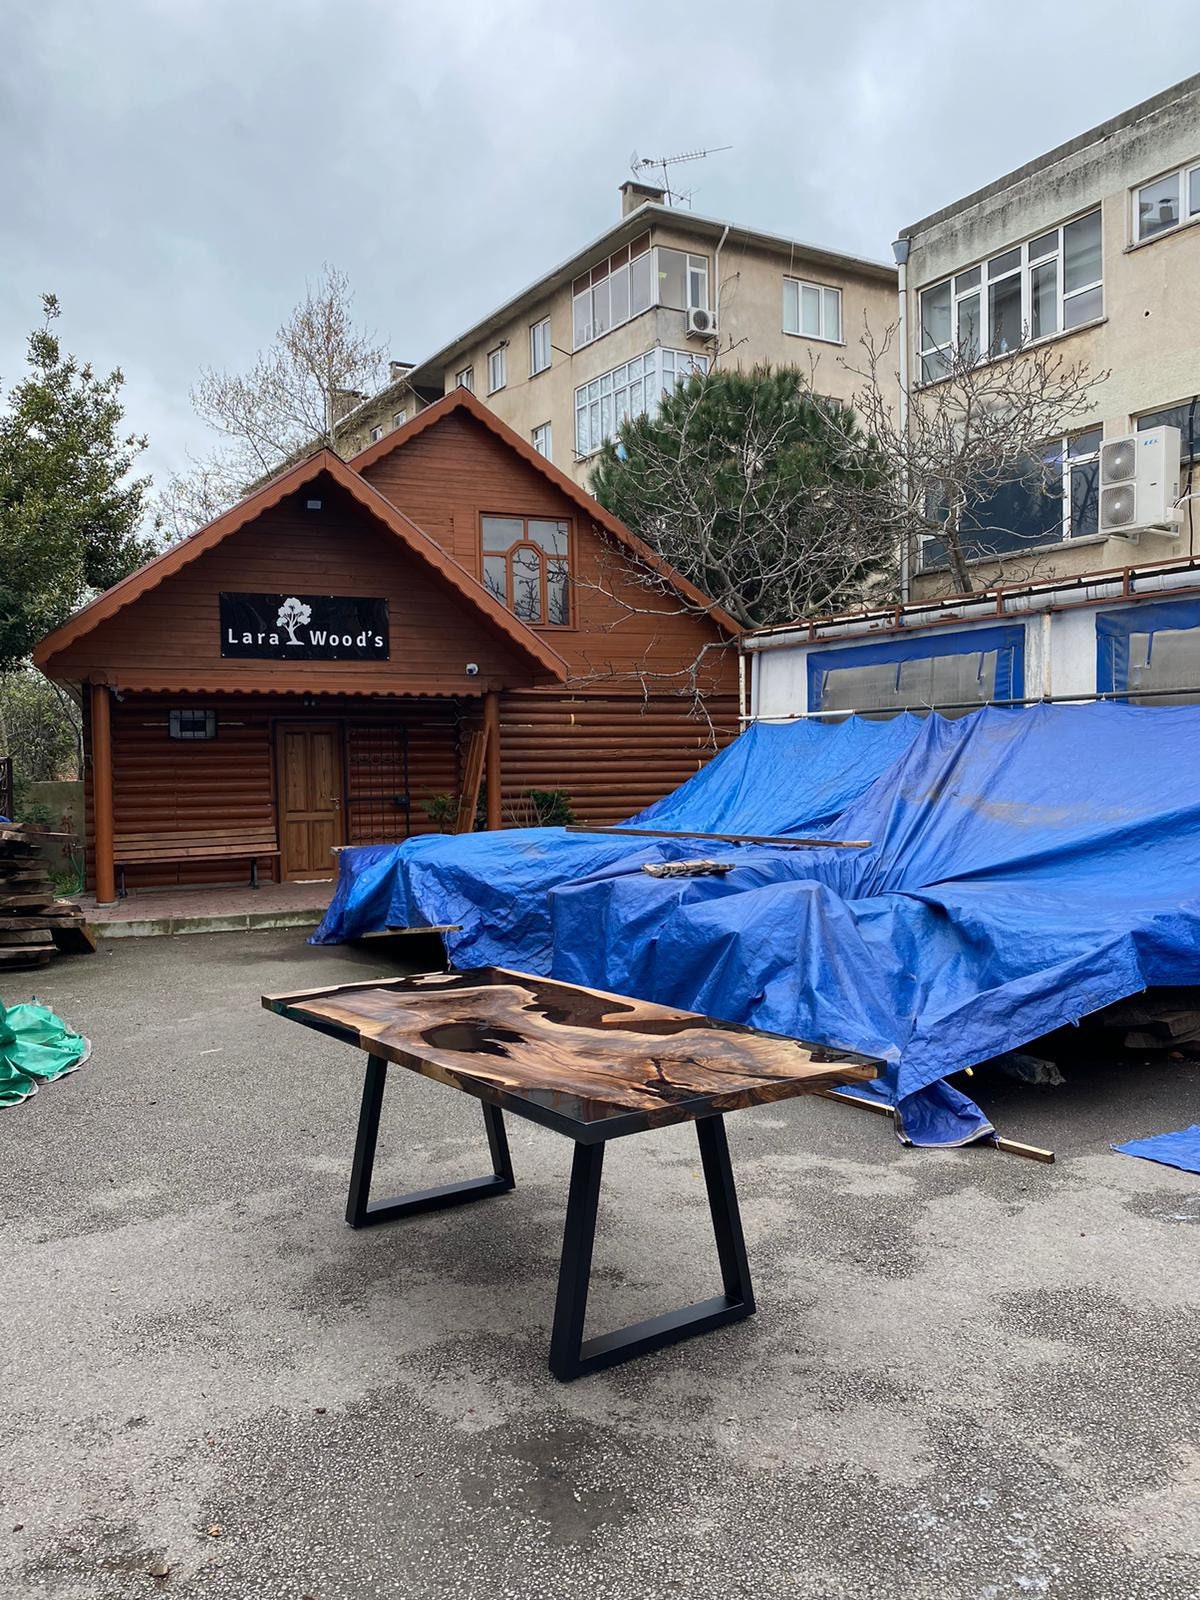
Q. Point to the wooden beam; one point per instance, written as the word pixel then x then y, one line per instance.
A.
pixel 724 838
pixel 468 800
pixel 491 728
pixel 102 794
pixel 1011 1147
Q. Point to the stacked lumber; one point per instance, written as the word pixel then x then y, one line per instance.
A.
pixel 34 925
pixel 1157 1020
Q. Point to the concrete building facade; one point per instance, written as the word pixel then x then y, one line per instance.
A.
pixel 1094 247
pixel 661 294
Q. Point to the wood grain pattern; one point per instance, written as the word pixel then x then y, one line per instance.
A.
pixel 594 1065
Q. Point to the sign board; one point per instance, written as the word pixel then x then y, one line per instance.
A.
pixel 303 627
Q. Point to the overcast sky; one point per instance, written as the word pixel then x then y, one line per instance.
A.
pixel 175 169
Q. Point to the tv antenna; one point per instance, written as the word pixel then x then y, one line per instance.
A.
pixel 639 165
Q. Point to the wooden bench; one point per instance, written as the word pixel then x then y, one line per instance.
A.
pixel 589 1065
pixel 214 844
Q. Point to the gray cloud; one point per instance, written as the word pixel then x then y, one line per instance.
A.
pixel 175 169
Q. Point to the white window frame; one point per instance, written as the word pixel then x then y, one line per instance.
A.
pixel 497 368
pixel 696 289
pixel 973 282
pixel 1185 175
pixel 399 419
pixel 540 347
pixel 827 295
pixel 633 389
pixel 542 439
pixel 600 275
pixel 377 433
pixel 464 378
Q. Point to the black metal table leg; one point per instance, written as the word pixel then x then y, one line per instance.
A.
pixel 571 1355
pixel 362 1212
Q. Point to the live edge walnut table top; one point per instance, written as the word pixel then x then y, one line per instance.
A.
pixel 591 1065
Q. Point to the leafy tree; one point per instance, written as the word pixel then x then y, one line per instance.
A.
pixel 41 727
pixel 69 510
pixel 729 483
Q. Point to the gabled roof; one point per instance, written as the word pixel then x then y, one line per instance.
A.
pixel 460 400
pixel 416 542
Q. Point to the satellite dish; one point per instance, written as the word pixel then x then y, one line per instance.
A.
pixel 633 161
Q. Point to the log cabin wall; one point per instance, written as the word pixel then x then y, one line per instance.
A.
pixel 613 754
pixel 167 786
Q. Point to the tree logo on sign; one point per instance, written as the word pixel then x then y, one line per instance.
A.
pixel 291 614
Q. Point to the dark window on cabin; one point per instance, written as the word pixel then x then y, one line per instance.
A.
pixel 526 565
pixel 192 724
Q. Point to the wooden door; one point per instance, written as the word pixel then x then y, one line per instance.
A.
pixel 309 758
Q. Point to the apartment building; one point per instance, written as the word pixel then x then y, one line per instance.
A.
pixel 660 295
pixel 1094 247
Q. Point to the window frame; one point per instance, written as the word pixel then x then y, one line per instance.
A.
pixel 1074 455
pixel 980 280
pixel 548 429
pixel 606 412
pixel 1114 630
pixel 1189 461
pixel 541 327
pixel 822 290
pixel 566 562
pixel 464 378
pixel 497 366
pixel 586 327
pixel 377 432
pixel 1185 174
pixel 1006 640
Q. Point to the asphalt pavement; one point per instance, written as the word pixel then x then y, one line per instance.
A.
pixel 969 1376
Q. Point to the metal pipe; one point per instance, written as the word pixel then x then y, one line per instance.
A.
pixel 980 705
pixel 717 292
pixel 900 250
pixel 935 613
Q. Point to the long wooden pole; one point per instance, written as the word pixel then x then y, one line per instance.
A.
pixel 102 794
pixel 725 838
pixel 491 728
pixel 1011 1147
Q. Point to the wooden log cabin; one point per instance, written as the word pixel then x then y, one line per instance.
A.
pixel 304 672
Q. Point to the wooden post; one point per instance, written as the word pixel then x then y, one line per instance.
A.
pixel 102 794
pixel 491 728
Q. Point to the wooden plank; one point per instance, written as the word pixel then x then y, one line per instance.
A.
pixel 726 838
pixel 1011 1147
pixel 468 802
pixel 594 1064
pixel 74 938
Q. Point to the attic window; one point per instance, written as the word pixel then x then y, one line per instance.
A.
pixel 526 565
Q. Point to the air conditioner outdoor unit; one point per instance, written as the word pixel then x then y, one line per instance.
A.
pixel 1139 482
pixel 701 324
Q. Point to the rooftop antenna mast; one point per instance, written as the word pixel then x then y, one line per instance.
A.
pixel 659 164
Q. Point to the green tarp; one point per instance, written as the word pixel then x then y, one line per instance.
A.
pixel 35 1047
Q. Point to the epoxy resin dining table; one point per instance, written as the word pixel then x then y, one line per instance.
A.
pixel 592 1066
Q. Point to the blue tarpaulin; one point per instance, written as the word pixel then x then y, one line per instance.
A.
pixel 1026 867
pixel 495 886
pixel 1180 1149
